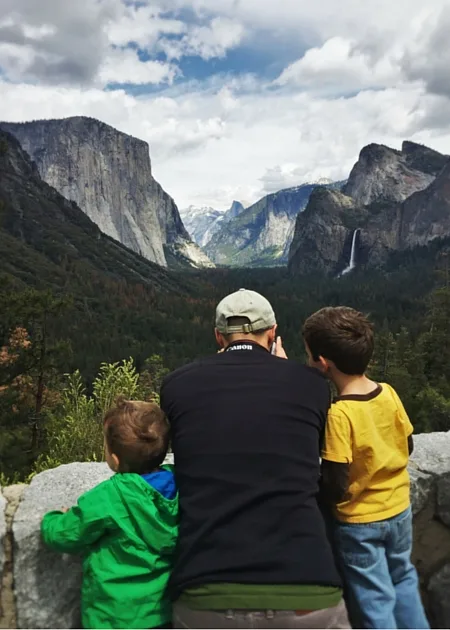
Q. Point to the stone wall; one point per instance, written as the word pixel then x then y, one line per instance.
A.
pixel 430 494
pixel 40 589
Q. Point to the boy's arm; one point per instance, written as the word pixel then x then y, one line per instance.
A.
pixel 336 457
pixel 335 480
pixel 410 444
pixel 80 527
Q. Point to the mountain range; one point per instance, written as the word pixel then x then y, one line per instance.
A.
pixel 108 174
pixel 203 223
pixel 393 201
pixel 261 234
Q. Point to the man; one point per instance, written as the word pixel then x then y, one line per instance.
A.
pixel 246 432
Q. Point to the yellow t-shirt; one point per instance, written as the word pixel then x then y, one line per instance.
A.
pixel 370 433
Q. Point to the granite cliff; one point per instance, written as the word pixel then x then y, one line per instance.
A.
pixel 382 174
pixel 108 174
pixel 395 199
pixel 262 233
pixel 44 238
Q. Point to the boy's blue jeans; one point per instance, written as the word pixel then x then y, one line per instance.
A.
pixel 381 581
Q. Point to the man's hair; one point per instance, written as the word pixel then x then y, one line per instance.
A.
pixel 341 335
pixel 138 433
pixel 242 321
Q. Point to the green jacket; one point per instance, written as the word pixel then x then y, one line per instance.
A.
pixel 127 532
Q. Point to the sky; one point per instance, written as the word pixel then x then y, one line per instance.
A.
pixel 236 98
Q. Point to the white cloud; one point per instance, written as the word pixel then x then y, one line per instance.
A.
pixel 206 153
pixel 238 136
pixel 283 176
pixel 76 43
pixel 212 40
pixel 62 42
pixel 427 55
pixel 339 67
pixel 122 65
pixel 38 32
pixel 15 60
pixel 142 25
pixel 318 21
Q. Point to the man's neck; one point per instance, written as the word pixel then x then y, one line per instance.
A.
pixel 353 384
pixel 242 339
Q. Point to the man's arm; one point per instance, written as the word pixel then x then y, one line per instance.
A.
pixel 163 398
pixel 410 444
pixel 324 414
pixel 335 481
pixel 80 527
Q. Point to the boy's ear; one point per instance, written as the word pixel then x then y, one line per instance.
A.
pixel 115 461
pixel 323 365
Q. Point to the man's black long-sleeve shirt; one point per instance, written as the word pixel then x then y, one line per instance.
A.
pixel 246 429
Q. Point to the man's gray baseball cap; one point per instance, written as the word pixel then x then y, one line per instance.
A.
pixel 244 303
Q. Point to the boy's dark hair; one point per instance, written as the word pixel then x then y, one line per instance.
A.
pixel 138 433
pixel 341 335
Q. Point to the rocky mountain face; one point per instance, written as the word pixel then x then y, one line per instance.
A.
pixel 203 223
pixel 108 175
pixel 262 233
pixel 44 237
pixel 236 209
pixel 394 199
pixel 386 175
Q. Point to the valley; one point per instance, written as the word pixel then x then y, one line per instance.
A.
pixel 261 234
pixel 154 158
pixel 76 295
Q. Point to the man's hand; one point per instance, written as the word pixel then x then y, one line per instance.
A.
pixel 65 509
pixel 279 350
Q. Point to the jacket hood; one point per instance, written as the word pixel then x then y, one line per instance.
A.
pixel 152 516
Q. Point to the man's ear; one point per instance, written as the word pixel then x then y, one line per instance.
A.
pixel 220 339
pixel 272 334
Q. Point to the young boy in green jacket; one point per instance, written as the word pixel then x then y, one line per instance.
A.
pixel 126 527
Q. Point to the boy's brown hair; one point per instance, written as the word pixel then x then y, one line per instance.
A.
pixel 137 433
pixel 341 335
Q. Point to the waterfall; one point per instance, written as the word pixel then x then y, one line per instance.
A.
pixel 351 265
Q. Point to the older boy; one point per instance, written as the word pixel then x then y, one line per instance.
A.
pixel 368 439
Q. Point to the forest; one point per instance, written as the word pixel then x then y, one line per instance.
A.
pixel 66 350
